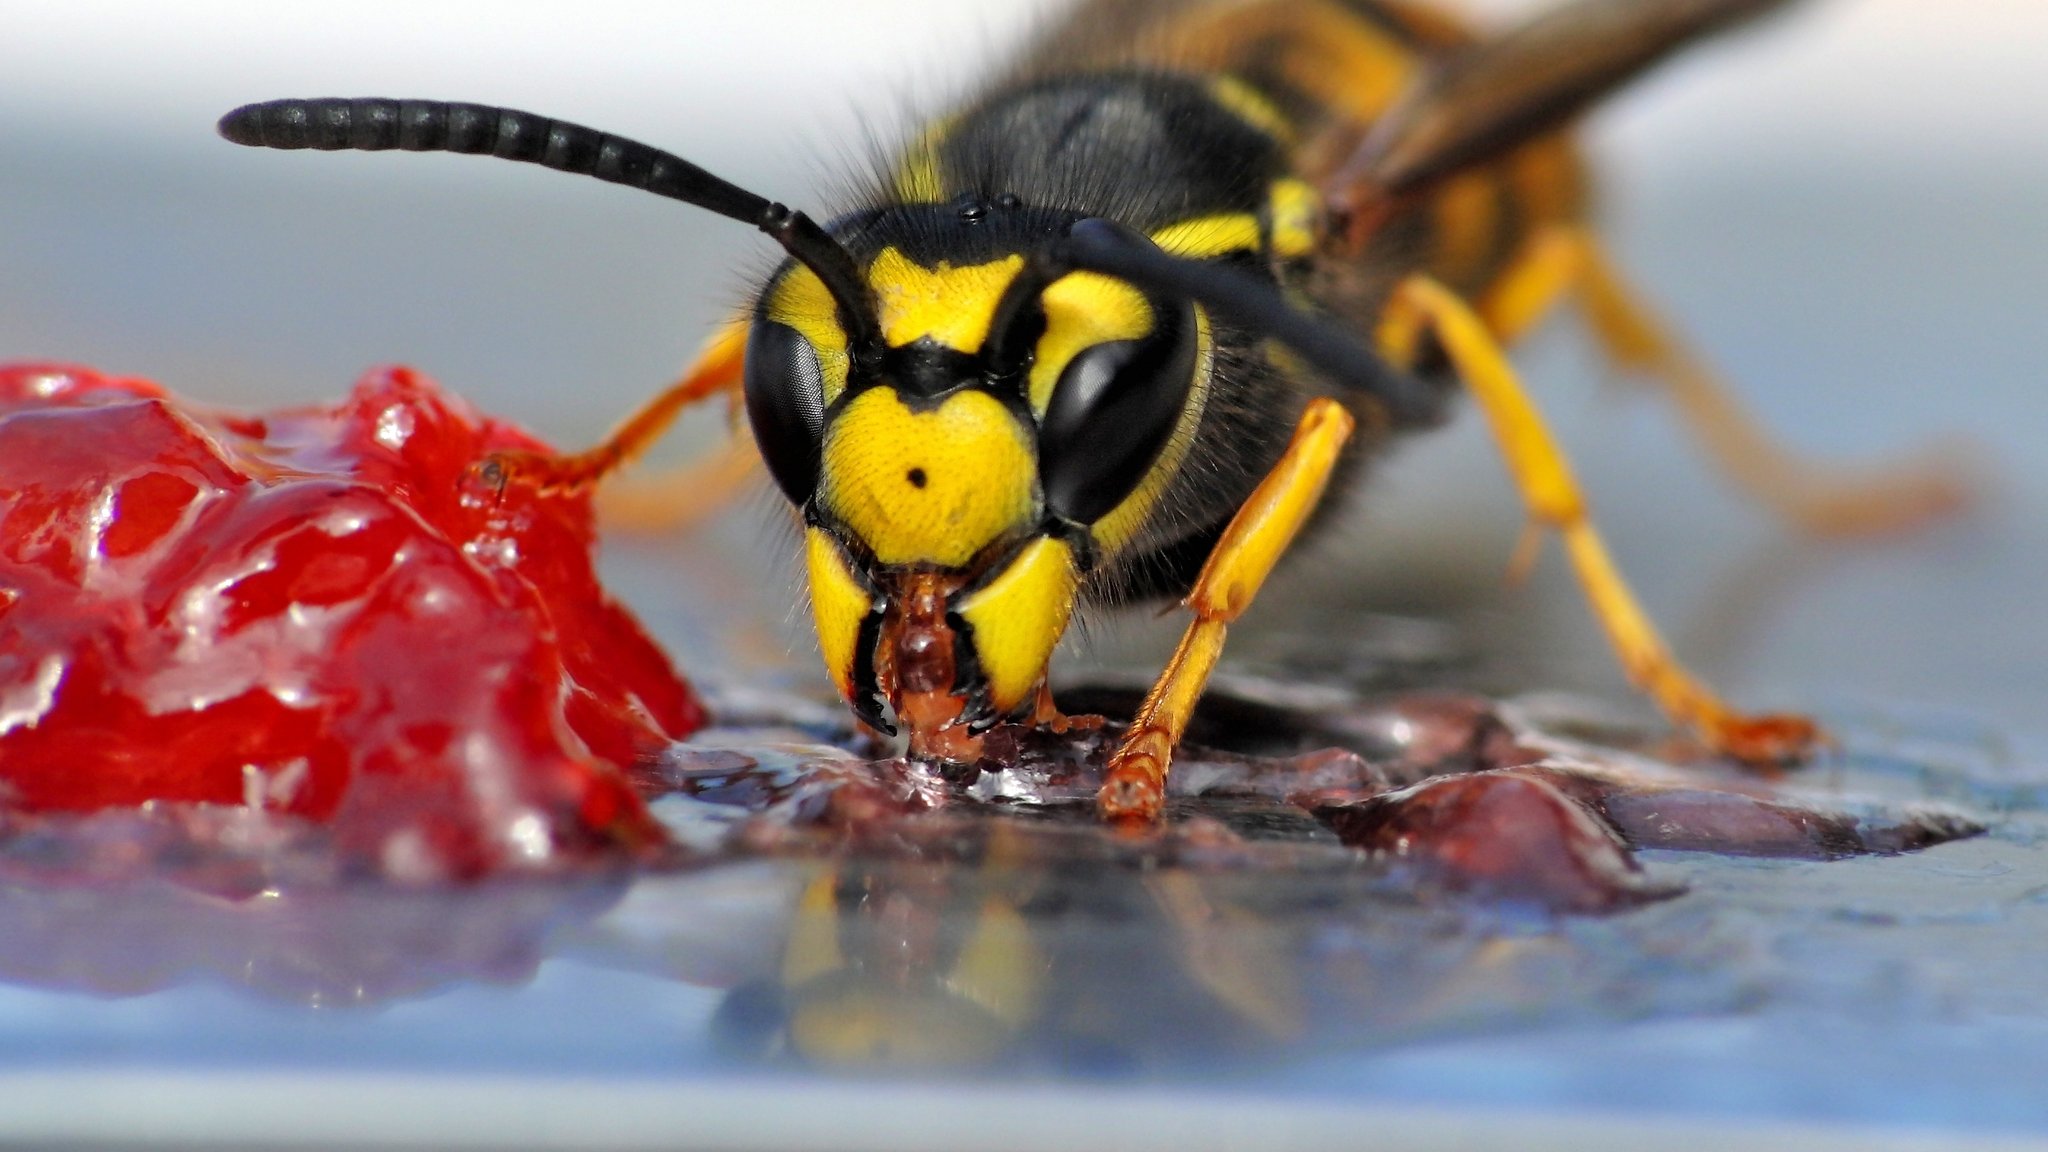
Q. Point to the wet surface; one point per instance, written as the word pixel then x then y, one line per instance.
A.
pixel 1862 300
pixel 1343 862
pixel 1473 902
pixel 1292 904
pixel 1464 872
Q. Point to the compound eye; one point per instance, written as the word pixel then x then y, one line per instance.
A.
pixel 786 406
pixel 1112 411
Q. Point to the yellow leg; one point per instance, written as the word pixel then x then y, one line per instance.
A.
pixel 1134 788
pixel 1563 261
pixel 1543 475
pixel 717 372
pixel 677 499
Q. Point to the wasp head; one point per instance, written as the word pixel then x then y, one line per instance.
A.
pixel 961 471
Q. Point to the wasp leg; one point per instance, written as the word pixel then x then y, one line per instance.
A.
pixel 1543 476
pixel 1562 261
pixel 1240 957
pixel 679 498
pixel 716 372
pixel 1134 787
pixel 1047 715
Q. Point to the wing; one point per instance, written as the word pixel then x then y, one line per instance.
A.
pixel 1507 89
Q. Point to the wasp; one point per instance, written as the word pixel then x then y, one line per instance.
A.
pixel 1109 334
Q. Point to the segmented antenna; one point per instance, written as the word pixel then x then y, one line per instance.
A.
pixel 377 124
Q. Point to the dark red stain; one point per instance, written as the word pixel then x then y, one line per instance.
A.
pixel 1500 835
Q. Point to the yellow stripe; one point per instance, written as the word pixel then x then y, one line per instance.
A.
pixel 1317 47
pixel 1122 522
pixel 952 306
pixel 1297 214
pixel 802 301
pixel 838 606
pixel 1082 309
pixel 1207 236
pixel 1249 105
pixel 1019 616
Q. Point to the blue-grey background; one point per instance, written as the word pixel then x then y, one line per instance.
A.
pixel 1848 212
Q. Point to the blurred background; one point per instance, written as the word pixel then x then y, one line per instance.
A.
pixel 1845 209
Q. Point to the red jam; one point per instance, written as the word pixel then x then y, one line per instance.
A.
pixel 314 612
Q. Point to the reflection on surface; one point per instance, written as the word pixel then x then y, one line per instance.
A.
pixel 127 902
pixel 1424 880
pixel 1080 962
pixel 1450 867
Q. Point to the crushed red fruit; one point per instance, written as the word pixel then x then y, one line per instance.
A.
pixel 316 613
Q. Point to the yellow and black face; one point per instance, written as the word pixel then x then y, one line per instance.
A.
pixel 959 478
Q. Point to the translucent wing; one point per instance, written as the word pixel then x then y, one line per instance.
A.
pixel 1506 89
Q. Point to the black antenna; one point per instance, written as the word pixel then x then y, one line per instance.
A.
pixel 1097 245
pixel 376 125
